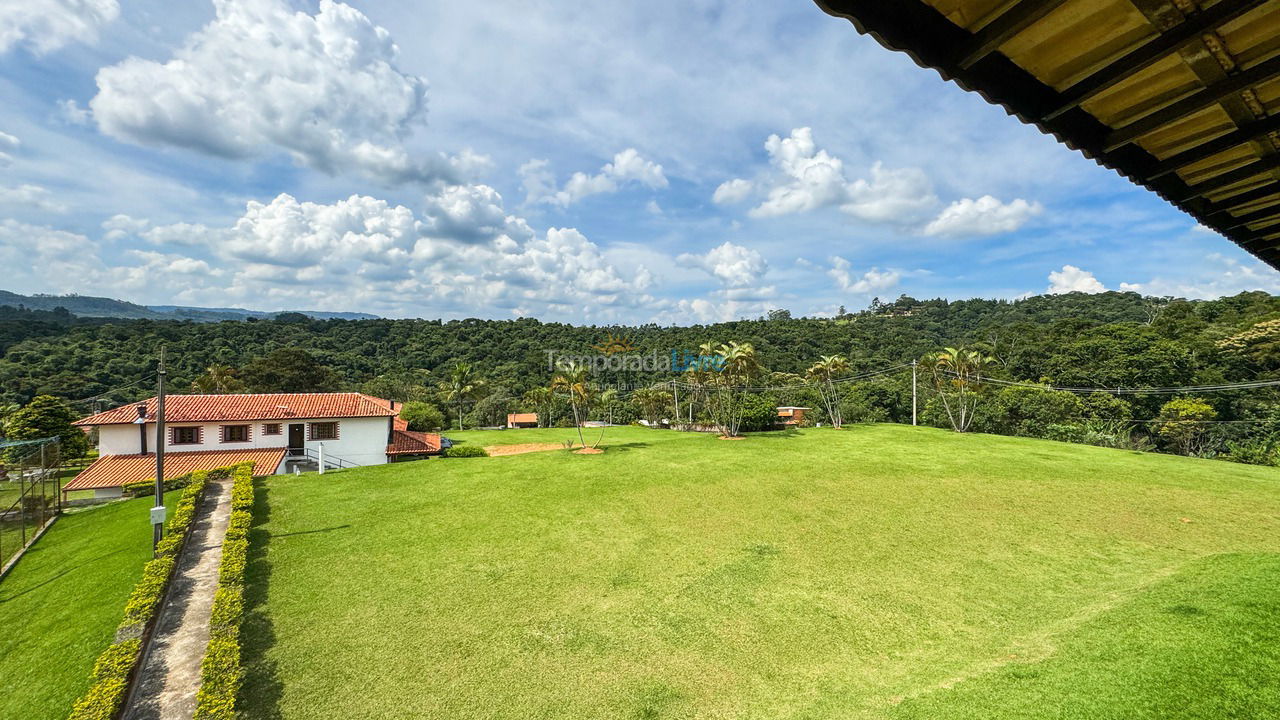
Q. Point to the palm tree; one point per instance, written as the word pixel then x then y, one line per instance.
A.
pixel 824 373
pixel 571 377
pixel 957 375
pixel 217 379
pixel 460 387
pixel 542 400
pixel 739 366
pixel 652 400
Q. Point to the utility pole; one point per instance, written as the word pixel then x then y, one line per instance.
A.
pixel 913 392
pixel 157 511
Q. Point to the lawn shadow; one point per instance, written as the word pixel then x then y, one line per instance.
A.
pixel 260 694
pixel 310 532
pixel 55 576
pixel 624 447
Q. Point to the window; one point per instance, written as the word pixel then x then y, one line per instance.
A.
pixel 324 431
pixel 271 429
pixel 235 433
pixel 184 436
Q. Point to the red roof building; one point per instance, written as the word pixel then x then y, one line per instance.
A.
pixel 291 430
pixel 113 471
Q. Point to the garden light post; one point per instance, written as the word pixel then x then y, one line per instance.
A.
pixel 157 511
pixel 913 391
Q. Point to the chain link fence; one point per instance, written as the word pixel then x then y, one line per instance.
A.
pixel 30 493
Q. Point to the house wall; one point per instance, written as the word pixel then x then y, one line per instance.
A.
pixel 362 441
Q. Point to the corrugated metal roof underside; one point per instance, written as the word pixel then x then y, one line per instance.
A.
pixel 1179 96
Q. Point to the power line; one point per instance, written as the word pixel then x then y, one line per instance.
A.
pixel 1122 390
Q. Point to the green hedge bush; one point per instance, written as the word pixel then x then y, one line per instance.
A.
pixel 111 672
pixel 222 670
pixel 464 451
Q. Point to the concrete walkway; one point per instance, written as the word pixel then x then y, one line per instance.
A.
pixel 170 674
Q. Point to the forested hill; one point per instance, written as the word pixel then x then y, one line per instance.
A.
pixel 90 306
pixel 1108 339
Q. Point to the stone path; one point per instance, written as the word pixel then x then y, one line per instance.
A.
pixel 170 674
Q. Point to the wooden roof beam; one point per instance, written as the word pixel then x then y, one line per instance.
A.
pixel 1239 136
pixel 1217 212
pixel 1232 177
pixel 1156 48
pixel 998 31
pixel 1265 213
pixel 1260 73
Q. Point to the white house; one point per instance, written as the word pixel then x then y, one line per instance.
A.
pixel 274 431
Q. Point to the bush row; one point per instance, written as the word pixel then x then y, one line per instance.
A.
pixel 114 668
pixel 465 451
pixel 222 671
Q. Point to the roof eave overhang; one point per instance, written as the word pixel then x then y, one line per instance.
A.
pixel 932 41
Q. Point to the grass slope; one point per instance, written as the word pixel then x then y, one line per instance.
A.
pixel 60 605
pixel 876 572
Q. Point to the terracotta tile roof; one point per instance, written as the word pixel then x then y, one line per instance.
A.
pixel 111 471
pixel 269 406
pixel 408 442
pixel 522 418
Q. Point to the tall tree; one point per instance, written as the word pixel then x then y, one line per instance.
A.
pixel 288 369
pixel 543 402
pixel 47 416
pixel 572 379
pixel 462 385
pixel 957 376
pixel 824 372
pixel 739 366
pixel 217 379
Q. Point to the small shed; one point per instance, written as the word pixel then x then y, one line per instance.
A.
pixel 522 420
pixel 792 415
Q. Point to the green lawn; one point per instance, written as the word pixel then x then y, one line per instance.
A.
pixel 60 605
pixel 876 572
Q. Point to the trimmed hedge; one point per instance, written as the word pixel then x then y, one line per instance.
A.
pixel 113 671
pixel 222 670
pixel 465 451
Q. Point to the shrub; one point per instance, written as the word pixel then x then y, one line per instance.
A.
pixel 1252 452
pixel 1029 412
pixel 1184 422
pixel 758 413
pixel 147 488
pixel 110 682
pixel 465 451
pixel 222 669
pixel 421 416
pixel 111 672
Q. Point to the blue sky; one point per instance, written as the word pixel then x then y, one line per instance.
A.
pixel 682 161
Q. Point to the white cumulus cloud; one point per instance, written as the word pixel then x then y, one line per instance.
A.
pixel 1072 279
pixel 984 216
pixel 733 265
pixel 30 197
pixel 872 280
pixel 463 255
pixel 805 177
pixel 732 191
pixel 261 76
pixel 46 25
pixel 627 167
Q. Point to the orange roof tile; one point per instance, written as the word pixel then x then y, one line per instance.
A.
pixel 267 406
pixel 522 417
pixel 409 442
pixel 111 471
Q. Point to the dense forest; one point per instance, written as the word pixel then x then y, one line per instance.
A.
pixel 1107 340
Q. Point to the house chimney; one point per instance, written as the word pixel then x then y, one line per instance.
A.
pixel 142 410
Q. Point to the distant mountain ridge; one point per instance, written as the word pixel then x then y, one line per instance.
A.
pixel 90 306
